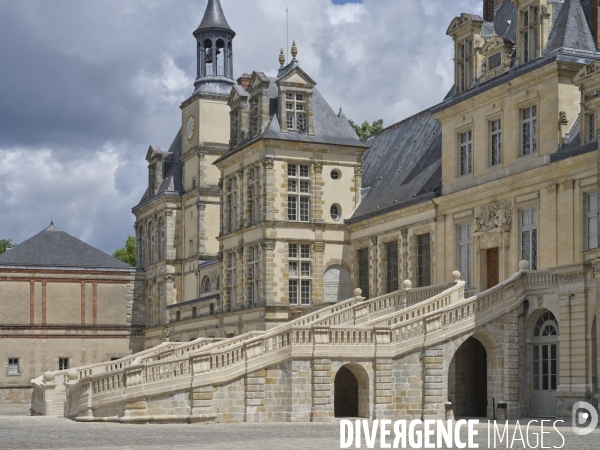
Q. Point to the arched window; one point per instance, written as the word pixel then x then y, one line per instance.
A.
pixel 546 325
pixel 207 285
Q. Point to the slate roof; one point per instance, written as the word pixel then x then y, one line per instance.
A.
pixel 172 170
pixel 214 17
pixel 402 166
pixel 55 248
pixel 571 29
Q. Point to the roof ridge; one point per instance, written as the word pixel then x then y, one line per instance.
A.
pixel 403 122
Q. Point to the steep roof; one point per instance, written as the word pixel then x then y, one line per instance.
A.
pixel 55 248
pixel 172 168
pixel 402 166
pixel 214 17
pixel 571 29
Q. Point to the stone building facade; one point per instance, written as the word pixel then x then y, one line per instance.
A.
pixel 63 304
pixel 268 194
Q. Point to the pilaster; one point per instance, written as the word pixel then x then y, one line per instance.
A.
pixel 433 367
pixel 323 391
pixel 384 393
pixel 300 407
pixel 255 397
pixel 318 290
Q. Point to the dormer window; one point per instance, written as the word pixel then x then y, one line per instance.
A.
pixel 464 65
pixel 235 127
pixel 295 106
pixel 530 33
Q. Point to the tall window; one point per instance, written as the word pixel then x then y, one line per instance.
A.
pixel 253 275
pixel 423 260
pixel 391 251
pixel 529 237
pixel 153 243
pixel 592 221
pixel 298 193
pixel 141 247
pixel 13 366
pixel 529 135
pixel 231 275
pixel 253 196
pixel 254 109
pixel 466 149
pixel 231 213
pixel 530 33
pixel 591 127
pixel 148 256
pixel 300 274
pixel 63 363
pixel 363 271
pixel 465 65
pixel 464 254
pixel 207 285
pixel 235 127
pixel 161 241
pixel 295 108
pixel 496 141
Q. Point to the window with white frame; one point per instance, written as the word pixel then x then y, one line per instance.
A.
pixel 63 363
pixel 465 141
pixel 295 109
pixel 591 127
pixel 13 366
pixel 529 130
pixel 298 193
pixel 464 254
pixel 530 33
pixel 231 278
pixel 231 213
pixel 496 141
pixel 592 221
pixel 300 274
pixel 464 64
pixel 253 275
pixel 529 237
pixel 253 196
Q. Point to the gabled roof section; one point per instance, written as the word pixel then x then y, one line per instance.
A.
pixel 462 21
pixel 296 75
pixel 237 92
pixel 214 18
pixel 54 248
pixel 153 152
pixel 402 167
pixel 172 169
pixel 571 29
pixel 505 21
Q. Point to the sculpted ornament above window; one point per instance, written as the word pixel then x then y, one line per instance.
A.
pixel 497 52
pixel 495 216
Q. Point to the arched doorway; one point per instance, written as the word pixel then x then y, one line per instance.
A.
pixel 337 284
pixel 467 380
pixel 544 365
pixel 351 392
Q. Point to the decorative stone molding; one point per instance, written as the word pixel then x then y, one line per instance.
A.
pixel 358 171
pixel 552 188
pixel 374 240
pixel 220 183
pixel 318 168
pixel 562 118
pixel 168 278
pixel 268 164
pixel 491 227
pixel 268 245
pixel 240 250
pixel 135 226
pixel 220 256
pixel 201 206
pixel 319 247
pixel 168 212
pixel 570 278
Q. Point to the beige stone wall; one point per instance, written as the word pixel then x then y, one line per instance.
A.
pixel 14 302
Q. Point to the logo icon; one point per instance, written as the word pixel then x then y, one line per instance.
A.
pixel 585 418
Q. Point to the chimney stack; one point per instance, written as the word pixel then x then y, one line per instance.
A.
pixel 595 21
pixel 489 9
pixel 244 81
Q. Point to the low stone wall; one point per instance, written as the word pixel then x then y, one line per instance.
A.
pixel 15 395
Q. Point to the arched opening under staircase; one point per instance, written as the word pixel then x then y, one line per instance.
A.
pixel 467 380
pixel 351 392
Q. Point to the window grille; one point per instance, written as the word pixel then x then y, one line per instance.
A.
pixel 232 272
pixel 423 260
pixel 13 366
pixel 253 196
pixel 63 363
pixel 298 193
pixel 207 287
pixel 391 250
pixel 530 34
pixel 295 106
pixel 466 148
pixel 496 141
pixel 465 65
pixel 253 276
pixel 300 274
pixel 529 134
pixel 591 127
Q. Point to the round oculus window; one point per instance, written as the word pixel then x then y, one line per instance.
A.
pixel 336 212
pixel 335 174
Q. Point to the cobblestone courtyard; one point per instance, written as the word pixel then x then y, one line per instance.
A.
pixel 18 431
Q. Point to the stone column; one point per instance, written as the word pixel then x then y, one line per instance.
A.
pixel 318 290
pixel 510 369
pixel 268 272
pixel 255 397
pixel 270 191
pixel 384 394
pixel 358 172
pixel 566 226
pixel 318 209
pixel 44 302
pixel 201 228
pixel 32 302
pixel 170 250
pixel 433 382
pixel 323 391
pixel 547 235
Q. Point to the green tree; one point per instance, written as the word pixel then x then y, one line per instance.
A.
pixel 5 244
pixel 127 253
pixel 365 130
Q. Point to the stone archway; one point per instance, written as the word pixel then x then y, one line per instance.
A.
pixel 467 380
pixel 336 282
pixel 351 391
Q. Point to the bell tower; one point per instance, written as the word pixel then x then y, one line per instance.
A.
pixel 214 39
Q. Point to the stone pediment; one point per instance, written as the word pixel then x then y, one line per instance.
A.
pixel 297 77
pixel 497 52
pixel 463 21
pixel 587 72
pixel 258 79
pixel 237 93
pixel 491 227
pixel 154 152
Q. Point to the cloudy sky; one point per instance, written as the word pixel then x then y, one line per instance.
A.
pixel 86 86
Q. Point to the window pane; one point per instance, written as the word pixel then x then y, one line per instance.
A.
pixel 293 250
pixel 293 269
pixel 292 186
pixel 292 170
pixel 292 209
pixel 305 292
pixel 304 187
pixel 293 292
pixel 305 269
pixel 304 209
pixel 592 203
pixel 304 171
pixel 423 260
pixel 305 251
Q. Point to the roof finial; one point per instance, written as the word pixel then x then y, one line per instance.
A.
pixel 294 49
pixel 281 58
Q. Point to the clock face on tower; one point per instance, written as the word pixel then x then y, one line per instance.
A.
pixel 190 127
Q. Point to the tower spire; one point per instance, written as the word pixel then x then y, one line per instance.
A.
pixel 214 39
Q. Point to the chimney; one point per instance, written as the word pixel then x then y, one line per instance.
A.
pixel 489 9
pixel 244 81
pixel 595 21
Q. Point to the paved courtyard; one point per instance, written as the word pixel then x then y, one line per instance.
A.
pixel 18 431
